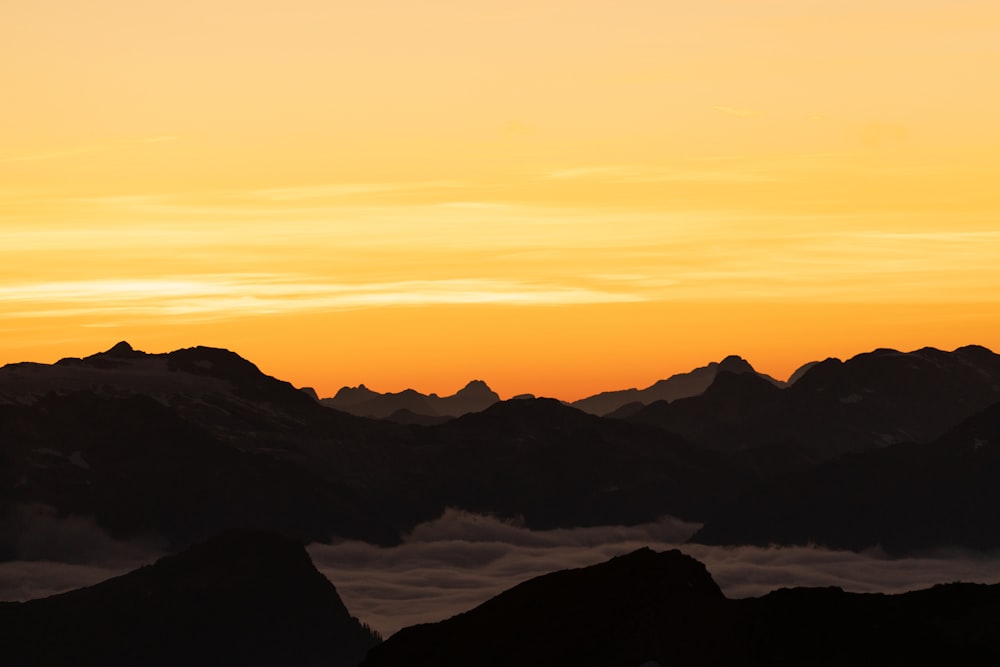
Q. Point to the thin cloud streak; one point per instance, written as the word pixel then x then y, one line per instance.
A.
pixel 231 295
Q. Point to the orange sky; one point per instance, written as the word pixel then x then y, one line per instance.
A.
pixel 556 197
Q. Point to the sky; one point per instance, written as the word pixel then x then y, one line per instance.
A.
pixel 555 197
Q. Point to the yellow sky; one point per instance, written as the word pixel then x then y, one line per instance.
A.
pixel 553 196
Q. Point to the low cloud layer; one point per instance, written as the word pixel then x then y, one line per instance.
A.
pixel 452 564
pixel 55 554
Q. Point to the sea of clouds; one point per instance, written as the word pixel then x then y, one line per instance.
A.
pixel 454 563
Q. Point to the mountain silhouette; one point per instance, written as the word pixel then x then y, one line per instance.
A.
pixel 246 598
pixel 677 386
pixel 178 447
pixel 184 445
pixel 649 608
pixel 903 498
pixel 871 400
pixel 553 466
pixel 364 402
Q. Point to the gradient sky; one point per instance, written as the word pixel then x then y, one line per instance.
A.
pixel 556 197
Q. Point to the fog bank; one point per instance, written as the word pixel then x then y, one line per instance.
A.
pixel 452 564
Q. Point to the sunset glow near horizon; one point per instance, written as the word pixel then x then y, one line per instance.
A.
pixel 555 197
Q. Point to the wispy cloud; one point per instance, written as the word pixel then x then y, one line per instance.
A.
pixel 234 295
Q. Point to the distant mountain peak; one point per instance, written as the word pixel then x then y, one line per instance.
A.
pixel 736 364
pixel 120 350
pixel 475 387
pixel 681 385
pixel 473 397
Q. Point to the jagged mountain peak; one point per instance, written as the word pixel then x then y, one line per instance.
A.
pixel 475 387
pixel 121 348
pixel 473 397
pixel 736 364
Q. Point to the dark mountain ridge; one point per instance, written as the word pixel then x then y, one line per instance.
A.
pixel 245 598
pixel 903 498
pixel 180 446
pixel 649 608
pixel 869 401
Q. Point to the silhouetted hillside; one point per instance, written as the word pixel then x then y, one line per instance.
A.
pixel 650 608
pixel 242 598
pixel 556 466
pixel 677 386
pixel 905 497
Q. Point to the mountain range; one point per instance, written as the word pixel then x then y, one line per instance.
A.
pixel 180 446
pixel 410 406
pixel 200 453
pixel 869 401
pixel 362 401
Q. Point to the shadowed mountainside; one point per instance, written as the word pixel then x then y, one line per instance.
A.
pixel 905 497
pixel 649 608
pixel 553 466
pixel 242 598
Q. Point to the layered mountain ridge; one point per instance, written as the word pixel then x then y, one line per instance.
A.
pixel 182 445
pixel 364 402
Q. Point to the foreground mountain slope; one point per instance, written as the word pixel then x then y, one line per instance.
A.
pixel 665 609
pixel 241 598
pixel 903 498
